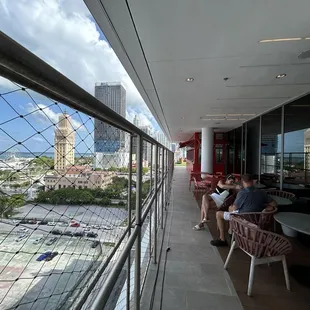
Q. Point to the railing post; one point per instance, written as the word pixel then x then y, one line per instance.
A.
pixel 162 187
pixel 282 149
pixel 151 190
pixel 151 170
pixel 155 204
pixel 138 222
pixel 129 219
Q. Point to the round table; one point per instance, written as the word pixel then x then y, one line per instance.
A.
pixel 281 201
pixel 293 222
pixel 259 185
pixel 296 222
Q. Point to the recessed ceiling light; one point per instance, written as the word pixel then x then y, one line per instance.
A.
pixel 211 115
pixel 189 79
pixel 280 76
pixel 279 40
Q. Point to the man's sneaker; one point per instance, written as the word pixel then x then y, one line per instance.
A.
pixel 219 242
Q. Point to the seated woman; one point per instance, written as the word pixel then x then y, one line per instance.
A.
pixel 222 191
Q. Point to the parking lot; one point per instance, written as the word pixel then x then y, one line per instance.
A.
pixel 85 214
pixel 29 284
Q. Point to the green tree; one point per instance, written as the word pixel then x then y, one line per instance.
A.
pixel 145 170
pixel 43 161
pixel 8 204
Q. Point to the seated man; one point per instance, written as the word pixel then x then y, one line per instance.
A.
pixel 249 199
pixel 222 191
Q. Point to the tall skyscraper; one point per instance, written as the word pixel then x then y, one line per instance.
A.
pixel 109 139
pixel 64 143
pixel 110 142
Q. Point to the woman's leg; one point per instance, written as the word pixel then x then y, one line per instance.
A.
pixel 205 206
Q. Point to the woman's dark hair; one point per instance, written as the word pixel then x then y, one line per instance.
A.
pixel 230 177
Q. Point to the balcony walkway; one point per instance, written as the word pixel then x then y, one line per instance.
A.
pixel 192 275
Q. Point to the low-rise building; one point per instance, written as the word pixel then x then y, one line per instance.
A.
pixel 79 177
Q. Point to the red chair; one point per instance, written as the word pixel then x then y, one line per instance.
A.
pixel 205 185
pixel 237 176
pixel 200 187
pixel 262 246
pixel 197 176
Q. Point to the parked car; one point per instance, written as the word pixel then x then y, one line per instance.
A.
pixel 107 227
pixel 78 234
pixel 68 233
pixel 51 241
pixel 50 257
pixel 43 222
pixel 22 229
pixel 96 226
pixel 87 229
pixel 51 224
pixel 91 234
pixel 63 224
pixel 56 232
pixel 33 222
pixel 20 238
pixel 43 256
pixel 23 221
pixel 75 224
pixel 38 240
pixel 95 244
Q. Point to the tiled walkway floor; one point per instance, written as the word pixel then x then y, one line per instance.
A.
pixel 192 275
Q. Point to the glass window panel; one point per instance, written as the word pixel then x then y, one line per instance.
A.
pixel 271 147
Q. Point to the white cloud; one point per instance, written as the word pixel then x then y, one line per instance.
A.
pixel 48 116
pixel 63 33
pixel 38 139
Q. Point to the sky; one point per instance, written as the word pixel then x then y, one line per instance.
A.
pixel 64 34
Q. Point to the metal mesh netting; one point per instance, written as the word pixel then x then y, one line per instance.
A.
pixel 63 199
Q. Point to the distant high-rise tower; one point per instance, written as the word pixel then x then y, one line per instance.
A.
pixel 64 143
pixel 111 144
pixel 136 121
pixel 109 139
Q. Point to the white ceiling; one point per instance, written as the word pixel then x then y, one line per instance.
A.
pixel 162 42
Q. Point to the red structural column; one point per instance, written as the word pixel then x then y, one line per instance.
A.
pixel 196 166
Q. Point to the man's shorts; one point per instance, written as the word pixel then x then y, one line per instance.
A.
pixel 227 215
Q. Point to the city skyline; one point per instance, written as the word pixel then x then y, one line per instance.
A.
pixel 81 65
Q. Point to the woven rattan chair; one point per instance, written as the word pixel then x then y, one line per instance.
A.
pixel 263 220
pixel 206 185
pixel 262 246
pixel 197 176
pixel 282 194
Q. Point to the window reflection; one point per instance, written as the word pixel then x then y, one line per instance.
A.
pixel 270 147
pixel 296 162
